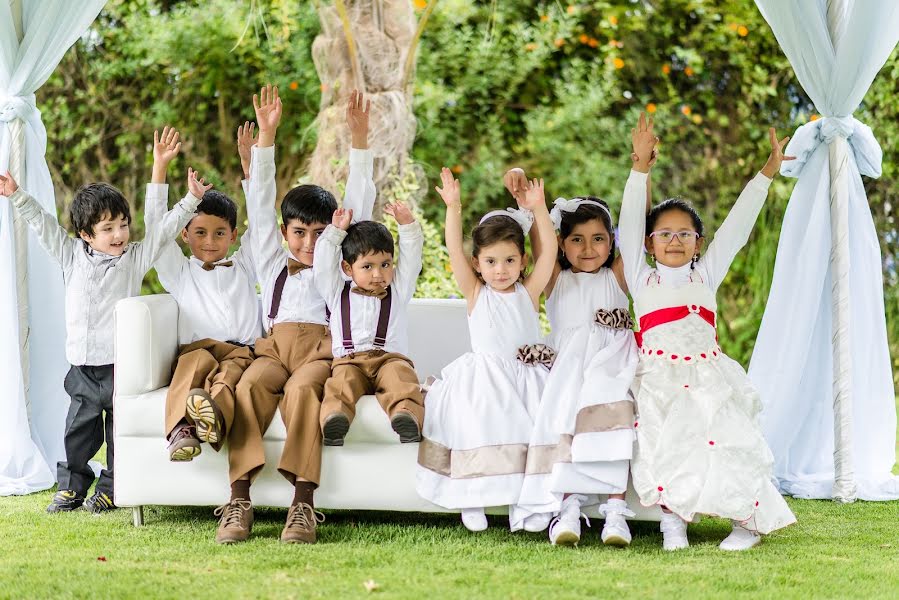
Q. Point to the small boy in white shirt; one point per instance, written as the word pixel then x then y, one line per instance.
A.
pixel 99 268
pixel 369 321
pixel 218 318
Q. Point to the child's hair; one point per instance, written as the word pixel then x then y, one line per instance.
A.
pixel 494 230
pixel 673 204
pixel 217 204
pixel 366 237
pixel 94 201
pixel 584 213
pixel 308 203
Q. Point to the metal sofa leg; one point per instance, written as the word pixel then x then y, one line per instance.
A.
pixel 137 515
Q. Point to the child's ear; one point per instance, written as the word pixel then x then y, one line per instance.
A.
pixel 524 261
pixel 347 268
pixel 233 235
pixel 184 235
pixel 699 243
pixel 647 243
pixel 85 236
pixel 284 231
pixel 474 265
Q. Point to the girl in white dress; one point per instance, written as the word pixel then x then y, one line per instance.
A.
pixel 699 447
pixel 479 414
pixel 583 433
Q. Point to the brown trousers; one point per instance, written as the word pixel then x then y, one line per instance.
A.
pixel 289 373
pixel 213 366
pixel 389 376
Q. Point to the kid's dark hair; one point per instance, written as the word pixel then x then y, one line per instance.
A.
pixel 217 204
pixel 309 203
pixel 584 213
pixel 494 230
pixel 94 201
pixel 366 237
pixel 669 205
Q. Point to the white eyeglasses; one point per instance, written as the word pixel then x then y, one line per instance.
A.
pixel 666 235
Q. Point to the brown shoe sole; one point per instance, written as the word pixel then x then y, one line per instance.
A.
pixel 335 429
pixel 185 453
pixel 306 537
pixel 205 415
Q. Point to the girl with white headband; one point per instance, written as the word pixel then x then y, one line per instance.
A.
pixel 479 414
pixel 583 431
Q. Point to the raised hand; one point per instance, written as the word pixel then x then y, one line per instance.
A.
pixel 342 218
pixel 166 146
pixel 777 157
pixel 399 211
pixel 643 141
pixel 246 137
pixel 534 196
pixel 516 182
pixel 450 191
pixel 196 187
pixel 8 185
pixel 357 114
pixel 267 104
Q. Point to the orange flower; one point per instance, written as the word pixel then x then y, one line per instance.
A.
pixel 593 42
pixel 688 72
pixel 584 38
pixel 686 110
pixel 544 18
pixel 613 43
pixel 613 20
pixel 571 9
pixel 697 119
pixel 293 85
pixel 559 42
pixel 651 108
pixel 420 4
pixel 814 117
pixel 457 169
pixel 619 64
pixel 666 69
pixel 742 31
pixel 530 47
pixel 733 26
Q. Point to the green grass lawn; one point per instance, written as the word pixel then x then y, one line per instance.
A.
pixel 835 551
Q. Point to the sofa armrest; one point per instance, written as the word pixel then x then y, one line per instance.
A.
pixel 146 343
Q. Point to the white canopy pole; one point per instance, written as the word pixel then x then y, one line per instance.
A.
pixel 844 488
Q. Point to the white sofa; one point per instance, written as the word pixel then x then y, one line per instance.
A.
pixel 372 471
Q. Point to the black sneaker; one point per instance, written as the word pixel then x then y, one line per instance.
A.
pixel 99 503
pixel 65 501
pixel 335 429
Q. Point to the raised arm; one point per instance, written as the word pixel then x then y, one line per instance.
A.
pixel 165 148
pixel 261 212
pixel 515 180
pixel 465 275
pixel 245 141
pixel 411 245
pixel 55 240
pixel 734 232
pixel 360 185
pixel 634 203
pixel 535 201
pixel 328 254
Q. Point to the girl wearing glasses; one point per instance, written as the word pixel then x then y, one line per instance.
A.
pixel 699 447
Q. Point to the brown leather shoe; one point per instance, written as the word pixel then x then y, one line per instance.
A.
pixel 302 520
pixel 205 414
pixel 236 522
pixel 184 444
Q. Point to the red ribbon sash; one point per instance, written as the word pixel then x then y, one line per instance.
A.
pixel 669 315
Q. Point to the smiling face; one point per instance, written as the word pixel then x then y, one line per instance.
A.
pixel 209 237
pixel 500 264
pixel 587 247
pixel 676 252
pixel 372 272
pixel 301 239
pixel 110 235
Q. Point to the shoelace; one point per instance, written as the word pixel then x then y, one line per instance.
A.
pixel 304 516
pixel 232 512
pixel 184 432
pixel 100 498
pixel 609 509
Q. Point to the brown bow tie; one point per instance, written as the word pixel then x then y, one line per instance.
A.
pixel 208 266
pixel 295 266
pixel 380 295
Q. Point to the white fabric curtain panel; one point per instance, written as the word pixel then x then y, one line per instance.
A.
pixel 32 427
pixel 829 250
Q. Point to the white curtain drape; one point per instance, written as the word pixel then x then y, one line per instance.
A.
pixel 793 362
pixel 30 447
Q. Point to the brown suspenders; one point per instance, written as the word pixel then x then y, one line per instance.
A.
pixel 346 322
pixel 279 291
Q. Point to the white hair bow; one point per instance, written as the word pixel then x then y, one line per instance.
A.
pixel 524 218
pixel 562 205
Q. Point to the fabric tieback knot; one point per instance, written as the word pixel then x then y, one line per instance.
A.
pixel 379 294
pixel 208 266
pixel 617 318
pixel 537 354
pixel 865 148
pixel 295 266
pixel 16 107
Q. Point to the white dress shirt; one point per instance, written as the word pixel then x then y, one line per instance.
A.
pixel 365 310
pixel 220 304
pixel 95 281
pixel 300 300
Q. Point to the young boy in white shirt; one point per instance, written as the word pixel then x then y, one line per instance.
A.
pixel 294 360
pixel 99 267
pixel 369 321
pixel 218 311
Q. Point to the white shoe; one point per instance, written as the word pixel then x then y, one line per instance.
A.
pixel 740 539
pixel 565 529
pixel 537 522
pixel 674 532
pixel 615 531
pixel 474 519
